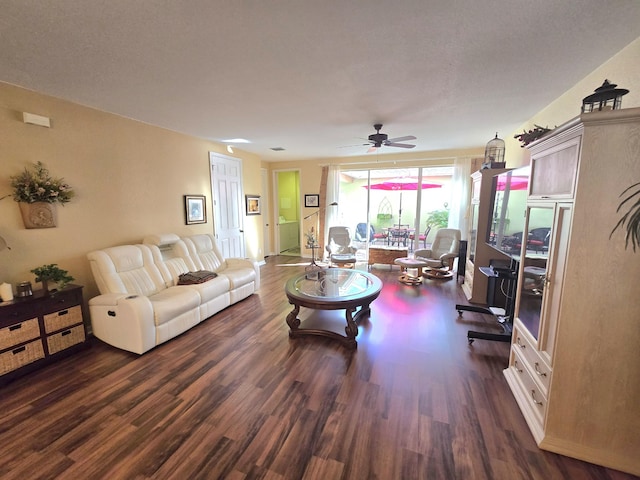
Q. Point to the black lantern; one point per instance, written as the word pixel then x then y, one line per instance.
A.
pixel 606 97
pixel 494 153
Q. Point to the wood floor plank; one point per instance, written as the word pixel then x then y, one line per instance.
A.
pixel 236 398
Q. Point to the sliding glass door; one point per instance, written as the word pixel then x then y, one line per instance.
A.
pixel 394 208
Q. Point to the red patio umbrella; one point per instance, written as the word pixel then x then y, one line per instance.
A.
pixel 402 184
pixel 517 183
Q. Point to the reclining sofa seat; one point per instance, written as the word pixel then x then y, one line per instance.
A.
pixel 142 306
pixel 206 255
pixel 172 258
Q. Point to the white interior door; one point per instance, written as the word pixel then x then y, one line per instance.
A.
pixel 226 188
pixel 265 212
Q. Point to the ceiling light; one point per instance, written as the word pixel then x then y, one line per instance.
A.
pixel 236 140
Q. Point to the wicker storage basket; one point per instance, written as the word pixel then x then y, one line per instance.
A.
pixel 19 333
pixel 65 339
pixel 19 356
pixel 386 255
pixel 63 318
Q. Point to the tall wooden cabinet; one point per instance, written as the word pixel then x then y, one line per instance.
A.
pixel 479 253
pixel 574 367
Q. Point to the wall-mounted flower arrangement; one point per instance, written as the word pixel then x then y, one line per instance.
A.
pixel 37 193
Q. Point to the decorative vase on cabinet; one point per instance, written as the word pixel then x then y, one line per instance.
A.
pixel 573 367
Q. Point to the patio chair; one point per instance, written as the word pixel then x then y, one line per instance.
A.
pixel 361 232
pixel 384 236
pixel 399 234
pixel 421 238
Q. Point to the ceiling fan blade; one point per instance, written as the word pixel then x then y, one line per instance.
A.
pixel 401 145
pixel 356 145
pixel 400 139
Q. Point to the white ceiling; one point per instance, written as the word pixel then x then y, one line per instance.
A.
pixel 313 76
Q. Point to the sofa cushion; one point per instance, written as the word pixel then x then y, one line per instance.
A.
pixel 212 289
pixel 238 273
pixel 126 269
pixel 204 252
pixel 173 302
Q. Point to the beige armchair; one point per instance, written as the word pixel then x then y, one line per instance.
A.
pixel 445 247
pixel 339 249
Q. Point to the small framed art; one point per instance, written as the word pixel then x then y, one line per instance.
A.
pixel 312 201
pixel 253 204
pixel 195 209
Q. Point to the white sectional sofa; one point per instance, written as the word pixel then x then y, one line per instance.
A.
pixel 141 304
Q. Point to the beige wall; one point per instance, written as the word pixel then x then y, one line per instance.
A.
pixel 129 180
pixel 622 69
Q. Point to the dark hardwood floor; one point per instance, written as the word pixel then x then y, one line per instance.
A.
pixel 236 398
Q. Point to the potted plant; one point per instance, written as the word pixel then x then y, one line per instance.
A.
pixel 631 218
pixel 438 219
pixel 52 273
pixel 37 192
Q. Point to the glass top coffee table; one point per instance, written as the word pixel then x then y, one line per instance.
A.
pixel 331 289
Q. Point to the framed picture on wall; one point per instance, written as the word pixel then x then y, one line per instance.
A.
pixel 195 209
pixel 253 204
pixel 312 201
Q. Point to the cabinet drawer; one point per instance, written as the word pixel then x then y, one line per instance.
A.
pixel 531 356
pixel 20 356
pixel 17 312
pixel 61 300
pixel 19 333
pixel 65 339
pixel 534 399
pixel 62 318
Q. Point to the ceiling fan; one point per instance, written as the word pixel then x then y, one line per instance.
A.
pixel 377 140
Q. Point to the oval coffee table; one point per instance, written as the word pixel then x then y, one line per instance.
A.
pixel 331 289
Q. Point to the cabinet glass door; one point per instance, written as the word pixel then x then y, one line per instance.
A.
pixel 535 256
pixel 473 233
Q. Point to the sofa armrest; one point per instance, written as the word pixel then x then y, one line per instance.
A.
pixel 247 263
pixel 124 321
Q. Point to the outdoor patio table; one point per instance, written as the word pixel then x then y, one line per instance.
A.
pixel 398 235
